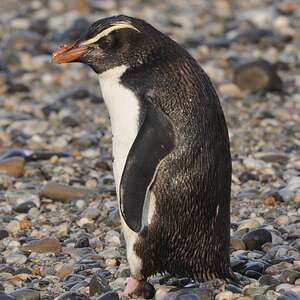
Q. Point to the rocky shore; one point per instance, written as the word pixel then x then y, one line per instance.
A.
pixel 60 232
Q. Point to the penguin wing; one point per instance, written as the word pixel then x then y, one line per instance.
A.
pixel 154 141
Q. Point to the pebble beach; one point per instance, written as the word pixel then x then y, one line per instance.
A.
pixel 60 231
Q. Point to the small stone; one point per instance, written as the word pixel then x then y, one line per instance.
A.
pixel 249 224
pixel 230 90
pixel 289 276
pixel 76 93
pixel 247 176
pixel 186 294
pixel 111 262
pixel 256 238
pixel 91 213
pixel 3 234
pixel 7 269
pixel 259 297
pixel 257 75
pixel 253 274
pixel 291 189
pixel 272 157
pixel 13 153
pixel 72 279
pixel 278 267
pixel 98 285
pixel 234 289
pixel 283 287
pixel 109 253
pixel 42 246
pixel 237 244
pixel 26 294
pixel 4 296
pixel 270 201
pixel 224 296
pixel 5 182
pixel 123 270
pixel 72 296
pixel 282 220
pixel 288 296
pixel 70 121
pixel 65 193
pixel 82 242
pixel 65 270
pixel 13 227
pixel 12 166
pixel 268 280
pixel 287 7
pixel 84 221
pixel 114 218
pixel 148 290
pixel 254 266
pixel 24 207
pixel 23 270
pixel 296 198
pixel 251 291
pixel 81 204
pixel 108 296
pixel 112 238
pixel 16 259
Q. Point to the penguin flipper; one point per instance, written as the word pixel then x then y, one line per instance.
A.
pixel 154 141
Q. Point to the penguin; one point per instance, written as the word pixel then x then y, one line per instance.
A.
pixel 171 151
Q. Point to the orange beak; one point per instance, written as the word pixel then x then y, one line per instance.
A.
pixel 68 53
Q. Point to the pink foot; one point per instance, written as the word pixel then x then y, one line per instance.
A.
pixel 132 287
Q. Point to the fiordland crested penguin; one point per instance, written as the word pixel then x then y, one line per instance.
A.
pixel 172 164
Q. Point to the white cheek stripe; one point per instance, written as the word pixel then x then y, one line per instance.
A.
pixel 107 31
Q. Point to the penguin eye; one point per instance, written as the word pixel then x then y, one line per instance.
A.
pixel 108 42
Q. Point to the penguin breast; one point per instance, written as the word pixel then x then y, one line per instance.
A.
pixel 124 111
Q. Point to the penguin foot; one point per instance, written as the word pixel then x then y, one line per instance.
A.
pixel 133 287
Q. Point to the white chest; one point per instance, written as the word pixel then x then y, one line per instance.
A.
pixel 124 110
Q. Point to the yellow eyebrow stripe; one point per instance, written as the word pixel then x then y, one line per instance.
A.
pixel 107 31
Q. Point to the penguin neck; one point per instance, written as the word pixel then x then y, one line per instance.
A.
pixel 124 111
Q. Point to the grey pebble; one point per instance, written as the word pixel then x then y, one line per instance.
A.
pixel 25 294
pixel 71 280
pixel 91 213
pixel 4 296
pixel 256 238
pixel 251 291
pixel 288 296
pixel 98 285
pixel 289 276
pixel 259 297
pixel 292 187
pixel 16 259
pixel 3 234
pixel 82 242
pixel 109 296
pixel 72 296
pixel 187 294
pixel 257 75
pixel 24 207
pixel 268 280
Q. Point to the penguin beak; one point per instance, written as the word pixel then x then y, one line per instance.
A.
pixel 68 53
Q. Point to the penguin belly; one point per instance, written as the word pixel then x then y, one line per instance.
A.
pixel 124 111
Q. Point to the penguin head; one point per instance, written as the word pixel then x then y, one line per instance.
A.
pixel 109 43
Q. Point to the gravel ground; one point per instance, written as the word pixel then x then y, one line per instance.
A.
pixel 59 226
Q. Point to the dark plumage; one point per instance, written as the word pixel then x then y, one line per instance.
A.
pixel 183 151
